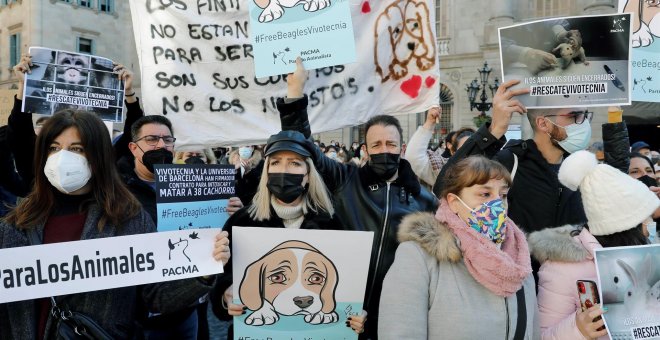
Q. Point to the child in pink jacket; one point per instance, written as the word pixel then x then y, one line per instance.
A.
pixel 615 205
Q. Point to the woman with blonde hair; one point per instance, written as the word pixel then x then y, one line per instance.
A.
pixel 290 194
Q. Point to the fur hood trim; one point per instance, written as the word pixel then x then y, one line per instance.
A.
pixel 558 244
pixel 431 234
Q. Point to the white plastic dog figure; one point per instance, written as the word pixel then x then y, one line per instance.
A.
pixel 273 9
pixel 293 278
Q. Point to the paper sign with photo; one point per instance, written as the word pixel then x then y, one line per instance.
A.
pixel 569 62
pixel 298 284
pixel 191 196
pixel 646 48
pixel 68 80
pixel 629 282
pixel 319 31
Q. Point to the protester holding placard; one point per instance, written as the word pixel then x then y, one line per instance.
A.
pixel 291 194
pixel 467 263
pixel 77 196
pixel 615 205
pixel 374 197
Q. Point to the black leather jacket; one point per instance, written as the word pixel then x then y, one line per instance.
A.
pixel 364 202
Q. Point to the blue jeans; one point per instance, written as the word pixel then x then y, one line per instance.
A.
pixel 186 329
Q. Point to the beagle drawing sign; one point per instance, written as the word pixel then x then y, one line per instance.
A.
pixel 319 31
pixel 298 284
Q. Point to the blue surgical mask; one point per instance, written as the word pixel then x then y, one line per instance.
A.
pixel 245 152
pixel 489 219
pixel 577 136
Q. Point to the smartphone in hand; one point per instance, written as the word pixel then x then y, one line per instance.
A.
pixel 588 295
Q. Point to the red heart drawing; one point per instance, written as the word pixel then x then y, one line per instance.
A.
pixel 429 81
pixel 411 86
pixel 366 8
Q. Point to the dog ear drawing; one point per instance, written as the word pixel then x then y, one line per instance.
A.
pixel 251 290
pixel 329 288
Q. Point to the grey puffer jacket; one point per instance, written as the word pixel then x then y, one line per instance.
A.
pixel 428 292
pixel 115 310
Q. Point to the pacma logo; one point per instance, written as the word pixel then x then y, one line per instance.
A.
pixel 616 25
pixel 178 249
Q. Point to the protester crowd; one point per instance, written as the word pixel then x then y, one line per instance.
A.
pixel 480 226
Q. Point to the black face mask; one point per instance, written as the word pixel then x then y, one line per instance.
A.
pixel 158 156
pixel 384 165
pixel 648 180
pixel 194 160
pixel 286 187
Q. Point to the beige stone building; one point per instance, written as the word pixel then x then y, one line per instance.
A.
pixel 467 36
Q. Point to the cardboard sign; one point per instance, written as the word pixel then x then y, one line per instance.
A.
pixel 569 62
pixel 191 196
pixel 629 283
pixel 320 31
pixel 84 266
pixel 67 80
pixel 645 58
pixel 198 68
pixel 298 284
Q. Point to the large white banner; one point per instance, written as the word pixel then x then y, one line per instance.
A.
pixel 197 68
pixel 83 266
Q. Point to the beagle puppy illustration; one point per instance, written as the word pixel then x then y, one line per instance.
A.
pixel 274 9
pixel 293 278
pixel 646 21
pixel 403 34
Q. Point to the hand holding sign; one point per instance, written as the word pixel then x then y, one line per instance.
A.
pixel 20 70
pixel 126 76
pixel 232 308
pixel 504 105
pixel 296 81
pixel 221 250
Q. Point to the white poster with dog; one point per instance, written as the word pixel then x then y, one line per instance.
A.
pixel 629 282
pixel 197 68
pixel 54 269
pixel 645 57
pixel 68 80
pixel 578 61
pixel 298 284
pixel 320 31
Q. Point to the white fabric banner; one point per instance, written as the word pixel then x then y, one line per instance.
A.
pixel 197 69
pixel 113 262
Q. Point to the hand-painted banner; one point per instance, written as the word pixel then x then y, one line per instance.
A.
pixel 191 196
pixel 645 58
pixel 629 282
pixel 320 284
pixel 197 67
pixel 84 266
pixel 61 80
pixel 569 62
pixel 320 31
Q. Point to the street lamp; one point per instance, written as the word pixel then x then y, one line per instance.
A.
pixel 473 89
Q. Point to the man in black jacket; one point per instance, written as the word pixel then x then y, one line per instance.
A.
pixel 374 197
pixel 537 200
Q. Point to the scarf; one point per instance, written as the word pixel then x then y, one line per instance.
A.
pixel 502 271
pixel 292 216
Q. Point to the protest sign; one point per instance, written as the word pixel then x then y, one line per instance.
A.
pixel 298 284
pixel 84 266
pixel 6 104
pixel 645 58
pixel 68 80
pixel 569 62
pixel 629 282
pixel 191 196
pixel 197 68
pixel 320 31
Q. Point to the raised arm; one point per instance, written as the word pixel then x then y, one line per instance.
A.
pixel 417 146
pixel 21 132
pixel 133 112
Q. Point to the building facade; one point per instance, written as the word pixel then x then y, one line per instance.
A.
pixel 467 36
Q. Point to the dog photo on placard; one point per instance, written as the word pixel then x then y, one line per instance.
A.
pixel 298 282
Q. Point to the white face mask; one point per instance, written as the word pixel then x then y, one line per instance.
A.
pixel 67 171
pixel 577 136
pixel 245 152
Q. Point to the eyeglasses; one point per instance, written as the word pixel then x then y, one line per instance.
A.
pixel 578 116
pixel 152 140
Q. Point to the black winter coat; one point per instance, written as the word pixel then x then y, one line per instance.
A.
pixel 366 203
pixel 537 200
